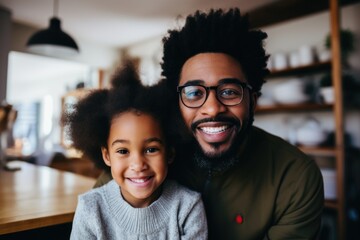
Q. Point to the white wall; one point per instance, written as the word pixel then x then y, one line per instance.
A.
pixel 150 54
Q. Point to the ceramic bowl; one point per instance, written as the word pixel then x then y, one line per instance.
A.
pixel 310 134
pixel 290 92
pixel 310 138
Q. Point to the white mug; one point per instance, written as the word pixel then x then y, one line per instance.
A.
pixel 280 61
pixel 294 60
pixel 306 55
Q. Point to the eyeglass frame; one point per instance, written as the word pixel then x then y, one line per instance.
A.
pixel 208 88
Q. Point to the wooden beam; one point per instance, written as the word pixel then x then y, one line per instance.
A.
pixel 338 115
pixel 285 10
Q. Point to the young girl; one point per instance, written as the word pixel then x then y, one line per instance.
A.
pixel 125 127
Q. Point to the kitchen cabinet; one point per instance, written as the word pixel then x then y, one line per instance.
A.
pixel 287 10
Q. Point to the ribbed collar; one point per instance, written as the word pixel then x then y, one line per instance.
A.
pixel 138 220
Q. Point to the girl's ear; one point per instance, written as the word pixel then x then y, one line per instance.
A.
pixel 106 157
pixel 171 155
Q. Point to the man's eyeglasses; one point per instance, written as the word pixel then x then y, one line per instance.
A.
pixel 229 94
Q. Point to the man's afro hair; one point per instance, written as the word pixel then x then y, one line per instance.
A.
pixel 216 32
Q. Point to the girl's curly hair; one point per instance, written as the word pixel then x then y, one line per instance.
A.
pixel 219 32
pixel 88 124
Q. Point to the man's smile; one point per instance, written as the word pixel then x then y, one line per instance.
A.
pixel 213 130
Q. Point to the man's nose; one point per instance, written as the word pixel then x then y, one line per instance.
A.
pixel 212 106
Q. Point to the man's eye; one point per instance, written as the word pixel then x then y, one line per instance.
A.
pixel 230 93
pixel 193 93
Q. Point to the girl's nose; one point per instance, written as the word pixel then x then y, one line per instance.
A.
pixel 138 163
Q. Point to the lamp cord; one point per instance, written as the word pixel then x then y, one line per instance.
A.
pixel 56 7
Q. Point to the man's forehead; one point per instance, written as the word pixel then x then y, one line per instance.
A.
pixel 220 81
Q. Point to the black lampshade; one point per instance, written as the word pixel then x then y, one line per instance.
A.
pixel 52 41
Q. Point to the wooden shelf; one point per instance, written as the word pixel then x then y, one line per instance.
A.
pixel 319 151
pixel 293 108
pixel 288 10
pixel 301 70
pixel 332 204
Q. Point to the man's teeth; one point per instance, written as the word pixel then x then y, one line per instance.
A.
pixel 139 180
pixel 214 130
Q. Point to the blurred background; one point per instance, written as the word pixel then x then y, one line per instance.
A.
pixel 37 85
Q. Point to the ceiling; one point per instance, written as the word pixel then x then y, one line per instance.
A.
pixel 115 23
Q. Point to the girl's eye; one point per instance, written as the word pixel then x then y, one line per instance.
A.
pixel 122 151
pixel 151 150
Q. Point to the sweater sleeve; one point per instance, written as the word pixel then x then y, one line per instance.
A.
pixel 81 228
pixel 195 224
pixel 302 201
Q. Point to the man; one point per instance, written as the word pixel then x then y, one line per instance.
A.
pixel 254 185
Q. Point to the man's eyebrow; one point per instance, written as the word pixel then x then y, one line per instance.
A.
pixel 221 81
pixel 230 80
pixel 194 82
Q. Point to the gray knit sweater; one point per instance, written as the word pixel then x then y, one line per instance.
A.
pixel 102 213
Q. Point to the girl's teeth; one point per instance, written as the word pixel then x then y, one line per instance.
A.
pixel 139 180
pixel 213 130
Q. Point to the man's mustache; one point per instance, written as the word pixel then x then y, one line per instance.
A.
pixel 233 121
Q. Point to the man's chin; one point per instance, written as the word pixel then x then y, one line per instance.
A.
pixel 218 157
pixel 215 163
pixel 214 151
pixel 215 158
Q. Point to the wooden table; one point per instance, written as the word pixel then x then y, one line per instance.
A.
pixel 38 196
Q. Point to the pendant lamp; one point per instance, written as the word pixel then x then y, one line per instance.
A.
pixel 52 41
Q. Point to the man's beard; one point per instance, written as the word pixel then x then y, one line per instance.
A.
pixel 220 162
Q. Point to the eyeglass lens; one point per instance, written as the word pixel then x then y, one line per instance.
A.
pixel 228 94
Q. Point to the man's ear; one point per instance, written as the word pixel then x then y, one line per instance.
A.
pixel 171 155
pixel 106 157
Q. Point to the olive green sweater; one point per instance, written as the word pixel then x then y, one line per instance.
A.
pixel 274 192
